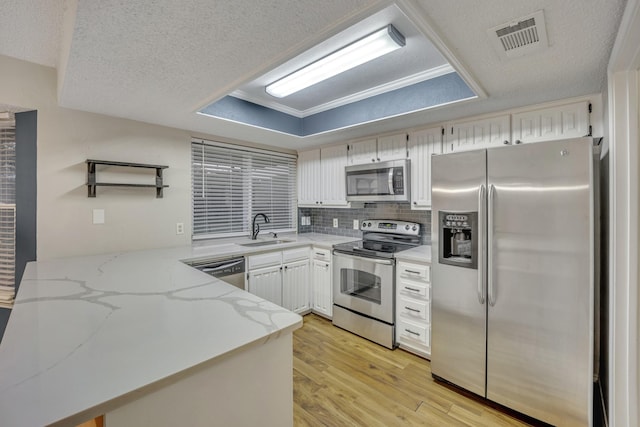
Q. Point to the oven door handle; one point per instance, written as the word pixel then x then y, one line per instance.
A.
pixel 363 258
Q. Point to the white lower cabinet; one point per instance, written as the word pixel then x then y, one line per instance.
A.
pixel 281 277
pixel 266 283
pixel 295 286
pixel 413 307
pixel 321 282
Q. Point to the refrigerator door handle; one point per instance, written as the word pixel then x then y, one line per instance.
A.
pixel 490 295
pixel 481 248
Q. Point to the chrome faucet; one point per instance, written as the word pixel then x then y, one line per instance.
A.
pixel 255 228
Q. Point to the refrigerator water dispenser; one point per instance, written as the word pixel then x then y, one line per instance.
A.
pixel 459 242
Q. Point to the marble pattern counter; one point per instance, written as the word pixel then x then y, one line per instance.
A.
pixel 88 333
pixel 418 254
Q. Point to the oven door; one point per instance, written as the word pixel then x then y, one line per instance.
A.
pixel 364 285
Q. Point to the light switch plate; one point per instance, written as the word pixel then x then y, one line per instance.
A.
pixel 98 216
pixel 356 224
pixel 335 222
pixel 179 228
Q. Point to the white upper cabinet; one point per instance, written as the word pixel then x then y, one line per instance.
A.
pixel 392 147
pixel 564 121
pixel 309 193
pixel 474 134
pixel 321 177
pixel 422 145
pixel 333 160
pixel 363 152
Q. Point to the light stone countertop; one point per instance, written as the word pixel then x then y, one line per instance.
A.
pixel 419 254
pixel 88 333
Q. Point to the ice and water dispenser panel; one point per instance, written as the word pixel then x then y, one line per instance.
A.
pixel 459 239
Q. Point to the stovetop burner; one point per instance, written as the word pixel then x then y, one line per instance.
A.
pixel 383 238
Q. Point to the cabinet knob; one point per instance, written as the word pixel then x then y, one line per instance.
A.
pixel 320 202
pixel 518 141
pixel 506 142
pixel 415 203
pixel 378 158
pixel 373 160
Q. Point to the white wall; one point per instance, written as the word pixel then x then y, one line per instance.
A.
pixel 135 219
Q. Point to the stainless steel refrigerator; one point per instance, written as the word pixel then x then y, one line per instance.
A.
pixel 513 280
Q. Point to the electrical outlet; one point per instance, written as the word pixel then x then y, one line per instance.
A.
pixel 356 224
pixel 179 228
pixel 335 222
pixel 98 216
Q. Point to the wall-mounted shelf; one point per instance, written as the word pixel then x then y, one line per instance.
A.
pixel 92 182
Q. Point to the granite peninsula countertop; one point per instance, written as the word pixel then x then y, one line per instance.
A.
pixel 87 333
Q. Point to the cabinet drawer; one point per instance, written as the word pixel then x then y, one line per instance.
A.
pixel 295 254
pixel 411 308
pixel 415 289
pixel 414 271
pixel 264 260
pixel 321 254
pixel 413 333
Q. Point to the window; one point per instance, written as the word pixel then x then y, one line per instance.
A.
pixel 7 209
pixel 230 184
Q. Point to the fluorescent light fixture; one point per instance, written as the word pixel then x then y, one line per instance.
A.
pixel 373 46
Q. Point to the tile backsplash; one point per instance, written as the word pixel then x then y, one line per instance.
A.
pixel 322 219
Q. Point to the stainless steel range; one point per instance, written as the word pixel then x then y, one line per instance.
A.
pixel 364 279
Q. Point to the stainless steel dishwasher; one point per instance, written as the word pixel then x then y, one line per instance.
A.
pixel 230 270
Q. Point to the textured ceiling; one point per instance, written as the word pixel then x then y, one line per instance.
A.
pixel 30 30
pixel 159 61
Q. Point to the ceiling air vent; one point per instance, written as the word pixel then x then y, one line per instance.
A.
pixel 520 37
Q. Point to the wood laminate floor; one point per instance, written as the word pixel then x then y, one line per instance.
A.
pixel 340 379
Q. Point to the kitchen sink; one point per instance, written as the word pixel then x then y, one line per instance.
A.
pixel 265 243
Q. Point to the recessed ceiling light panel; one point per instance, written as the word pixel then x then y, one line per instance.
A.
pixel 373 46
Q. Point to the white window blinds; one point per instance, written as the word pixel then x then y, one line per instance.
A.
pixel 231 184
pixel 7 211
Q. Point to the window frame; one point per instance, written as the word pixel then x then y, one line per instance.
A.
pixel 257 186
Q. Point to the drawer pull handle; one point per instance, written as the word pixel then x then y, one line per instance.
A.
pixel 412 272
pixel 319 253
pixel 412 309
pixel 412 289
pixel 411 332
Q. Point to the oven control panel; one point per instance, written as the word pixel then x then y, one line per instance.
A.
pixel 390 226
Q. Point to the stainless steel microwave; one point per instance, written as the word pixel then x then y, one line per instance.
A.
pixel 379 182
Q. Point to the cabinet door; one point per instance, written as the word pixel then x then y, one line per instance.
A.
pixel 333 161
pixel 362 152
pixel 564 121
pixel 476 134
pixel 309 185
pixel 322 288
pixel 393 147
pixel 266 283
pixel 295 286
pixel 422 145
